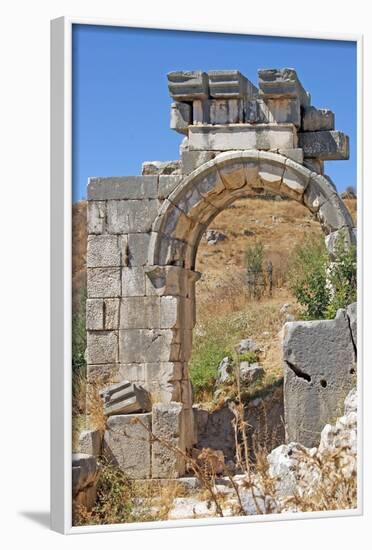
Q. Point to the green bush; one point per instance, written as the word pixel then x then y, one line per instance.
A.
pixel 79 339
pixel 322 285
pixel 249 356
pixel 203 366
pixel 254 257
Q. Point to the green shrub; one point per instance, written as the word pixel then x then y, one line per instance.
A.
pixel 254 257
pixel 322 285
pixel 79 339
pixel 203 366
pixel 249 356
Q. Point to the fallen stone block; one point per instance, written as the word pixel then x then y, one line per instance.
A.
pixel 324 145
pixel 250 372
pixel 127 444
pixel 275 83
pixel 181 117
pixel 85 473
pixel 230 84
pixel 168 447
pixel 319 359
pixel 188 85
pixel 90 442
pixel 315 120
pixel 224 370
pixel 125 398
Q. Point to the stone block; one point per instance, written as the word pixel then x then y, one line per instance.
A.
pixel 140 312
pixel 103 251
pixel 102 347
pixel 334 215
pixel 345 235
pixel 133 372
pixel 168 281
pixel 318 191
pixel 137 248
pixel 201 111
pixel 143 345
pixel 111 313
pixel 297 155
pixel 283 110
pixel 131 216
pixel 102 375
pixel 270 174
pixel 230 85
pixel 193 159
pixel 96 214
pixel 103 282
pixel 163 381
pixel 319 357
pixel 125 187
pixel 226 111
pixel 181 117
pixel 133 281
pixel 85 472
pixel 295 179
pixel 125 398
pixel 159 167
pixel 167 424
pixel 167 184
pixel 324 145
pixel 315 165
pixel 188 85
pixel 127 444
pixel 274 83
pixel 186 394
pixel 315 120
pixel 94 314
pixel 90 442
pixel 225 138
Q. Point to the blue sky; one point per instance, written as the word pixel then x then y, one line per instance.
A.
pixel 121 103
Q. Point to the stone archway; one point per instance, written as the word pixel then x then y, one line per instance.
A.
pixel 144 232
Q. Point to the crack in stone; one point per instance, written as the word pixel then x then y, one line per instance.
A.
pixel 351 336
pixel 298 372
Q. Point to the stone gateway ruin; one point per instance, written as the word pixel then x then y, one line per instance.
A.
pixel 143 236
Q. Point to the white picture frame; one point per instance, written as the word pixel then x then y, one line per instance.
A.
pixel 61 318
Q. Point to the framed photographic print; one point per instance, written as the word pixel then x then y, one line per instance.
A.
pixel 206 190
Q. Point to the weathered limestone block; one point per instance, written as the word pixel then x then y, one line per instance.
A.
pixel 181 117
pixel 126 187
pixel 315 120
pixel 125 398
pixel 85 473
pixel 168 251
pixel 188 85
pixel 194 205
pixel 225 138
pixel 226 111
pixel 230 85
pixel 170 281
pixel 295 179
pixel 324 145
pixel 174 223
pixel 131 216
pixel 94 314
pixel 103 251
pixel 345 234
pixel 104 374
pixel 186 393
pixel 319 358
pixel 297 155
pixel 140 312
pixel 163 381
pixel 137 249
pixel 90 442
pixel 96 214
pixel 111 313
pixel 133 281
pixel 102 347
pixel 201 111
pixel 127 444
pixel 167 424
pixel 318 191
pixel 333 214
pixel 193 159
pixel 284 110
pixel 103 282
pixel 167 184
pixel 275 83
pixel 159 167
pixel 143 345
pixel 270 173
